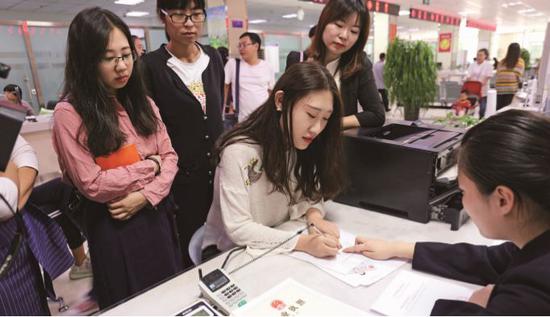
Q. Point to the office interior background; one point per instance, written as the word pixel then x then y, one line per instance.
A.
pixel 33 32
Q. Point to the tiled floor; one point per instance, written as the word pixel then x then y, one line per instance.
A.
pixel 73 293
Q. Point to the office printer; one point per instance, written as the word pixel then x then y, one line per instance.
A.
pixel 395 168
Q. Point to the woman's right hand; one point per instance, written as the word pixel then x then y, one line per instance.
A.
pixel 318 245
pixel 382 249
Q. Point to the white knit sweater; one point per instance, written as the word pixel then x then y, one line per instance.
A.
pixel 244 209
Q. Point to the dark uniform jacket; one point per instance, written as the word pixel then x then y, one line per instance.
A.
pixel 521 276
pixel 359 88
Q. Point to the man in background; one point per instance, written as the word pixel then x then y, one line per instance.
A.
pixel 378 70
pixel 256 77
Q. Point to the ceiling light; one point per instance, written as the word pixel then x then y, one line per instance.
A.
pixel 129 2
pixel 290 16
pixel 136 14
pixel 526 11
pixel 39 23
pixel 404 12
pixel 534 14
pixel 257 21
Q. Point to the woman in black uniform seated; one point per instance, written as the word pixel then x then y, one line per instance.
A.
pixel 504 173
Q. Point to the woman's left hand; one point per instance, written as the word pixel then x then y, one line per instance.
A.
pixel 481 296
pixel 126 207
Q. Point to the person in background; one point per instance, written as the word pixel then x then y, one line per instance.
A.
pixel 13 99
pixel 113 148
pixel 186 81
pixel 53 196
pixel 256 77
pixel 378 70
pixel 341 35
pixel 138 45
pixel 296 57
pixel 509 76
pixel 224 54
pixel 29 240
pixel 504 177
pixel 481 70
pixel 280 164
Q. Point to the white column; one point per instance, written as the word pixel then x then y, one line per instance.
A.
pixel 381 23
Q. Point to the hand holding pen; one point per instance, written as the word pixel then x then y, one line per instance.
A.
pixel 331 231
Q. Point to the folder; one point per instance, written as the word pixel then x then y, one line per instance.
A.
pixel 126 155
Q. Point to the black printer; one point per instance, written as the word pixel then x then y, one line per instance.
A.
pixel 395 169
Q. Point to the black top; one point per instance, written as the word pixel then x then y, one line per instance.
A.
pixel 193 133
pixel 361 88
pixel 521 276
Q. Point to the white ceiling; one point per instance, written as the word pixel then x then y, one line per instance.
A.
pixel 489 10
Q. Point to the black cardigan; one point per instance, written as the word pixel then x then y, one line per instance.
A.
pixel 193 133
pixel 358 88
pixel 521 276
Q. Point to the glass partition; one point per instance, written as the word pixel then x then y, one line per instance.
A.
pixel 49 46
pixel 13 53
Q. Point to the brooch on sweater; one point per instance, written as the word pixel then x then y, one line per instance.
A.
pixel 253 171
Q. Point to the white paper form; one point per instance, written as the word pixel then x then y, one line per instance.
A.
pixel 290 298
pixel 413 294
pixel 352 268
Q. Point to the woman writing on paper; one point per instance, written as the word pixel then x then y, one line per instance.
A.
pixel 505 179
pixel 279 165
pixel 113 147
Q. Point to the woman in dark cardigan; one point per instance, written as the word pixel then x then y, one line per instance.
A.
pixel 338 44
pixel 185 79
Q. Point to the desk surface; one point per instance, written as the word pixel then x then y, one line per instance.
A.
pixel 173 295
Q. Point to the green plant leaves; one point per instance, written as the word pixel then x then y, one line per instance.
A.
pixel 410 73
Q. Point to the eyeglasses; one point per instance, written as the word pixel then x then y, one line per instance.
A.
pixel 181 18
pixel 244 45
pixel 113 61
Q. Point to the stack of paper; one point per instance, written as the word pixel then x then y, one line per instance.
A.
pixel 291 298
pixel 352 268
pixel 414 294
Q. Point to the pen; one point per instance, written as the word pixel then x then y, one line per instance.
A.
pixel 321 233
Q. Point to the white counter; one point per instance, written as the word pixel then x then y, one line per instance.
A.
pixel 176 293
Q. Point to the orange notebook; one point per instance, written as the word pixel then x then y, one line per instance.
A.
pixel 124 156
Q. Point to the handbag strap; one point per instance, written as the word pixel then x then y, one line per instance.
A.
pixel 237 75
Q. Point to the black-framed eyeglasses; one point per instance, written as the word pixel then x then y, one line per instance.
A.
pixel 181 18
pixel 127 58
pixel 244 45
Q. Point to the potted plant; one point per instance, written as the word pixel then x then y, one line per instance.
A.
pixel 526 56
pixel 453 121
pixel 410 75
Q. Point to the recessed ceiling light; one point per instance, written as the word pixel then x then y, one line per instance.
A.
pixel 136 14
pixel 290 16
pixel 129 2
pixel 39 23
pixel 257 21
pixel 529 10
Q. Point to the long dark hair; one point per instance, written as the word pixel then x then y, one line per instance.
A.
pixel 351 61
pixel 511 149
pixel 512 56
pixel 317 168
pixel 86 45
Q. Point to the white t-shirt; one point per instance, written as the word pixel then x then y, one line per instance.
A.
pixel 191 74
pixel 22 155
pixel 254 83
pixel 8 189
pixel 479 72
pixel 378 71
